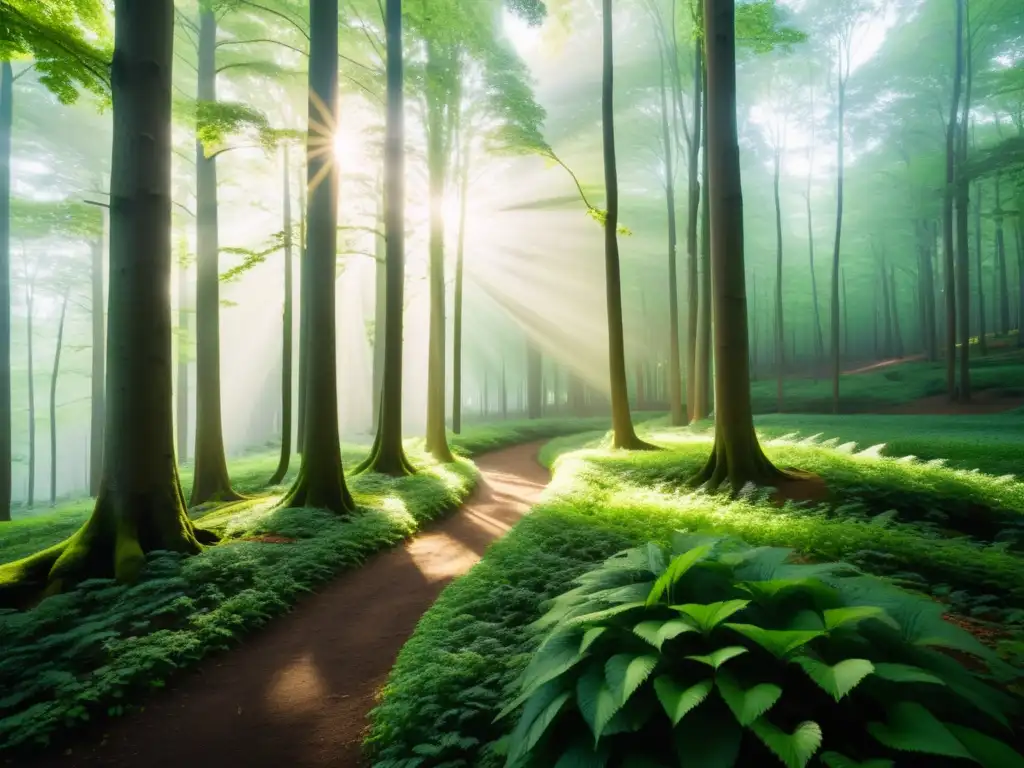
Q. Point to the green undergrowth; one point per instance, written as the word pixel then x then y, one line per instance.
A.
pixel 890 386
pixel 96 651
pixel 454 674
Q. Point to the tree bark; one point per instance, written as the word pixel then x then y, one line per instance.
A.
pixel 321 480
pixel 300 427
pixel 387 455
pixel 737 458
pixel 380 277
pixel 6 126
pixel 286 331
pixel 97 376
pixel 947 209
pixel 210 472
pixel 693 208
pixel 887 349
pixel 140 507
pixel 819 339
pixel 675 394
pixel 702 392
pixel 780 345
pixel 53 398
pixel 457 310
pixel 841 166
pixel 30 498
pixel 623 434
pixel 928 296
pixel 897 334
pixel 183 341
pixel 1004 291
pixel 982 330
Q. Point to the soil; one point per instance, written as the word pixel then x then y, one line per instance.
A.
pixel 802 487
pixel 297 694
pixel 985 401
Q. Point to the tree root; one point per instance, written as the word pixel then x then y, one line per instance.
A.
pixel 392 462
pixel 738 468
pixel 318 493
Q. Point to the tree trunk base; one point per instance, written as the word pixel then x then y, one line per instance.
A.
pixel 740 467
pixel 219 492
pixel 440 450
pixel 282 469
pixel 390 461
pixel 631 442
pixel 113 543
pixel 324 492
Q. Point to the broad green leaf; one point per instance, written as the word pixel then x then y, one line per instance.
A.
pixel 748 704
pixel 625 672
pixel 991 753
pixel 778 642
pixel 655 558
pixel 677 700
pixel 913 728
pixel 543 721
pixel 794 749
pixel 807 620
pixel 596 702
pixel 719 657
pixel 560 653
pixel 656 631
pixel 836 760
pixel 590 636
pixel 539 712
pixel 674 572
pixel 766 591
pixel 607 613
pixel 836 617
pixel 904 673
pixel 709 616
pixel 583 755
pixel 839 679
pixel 708 738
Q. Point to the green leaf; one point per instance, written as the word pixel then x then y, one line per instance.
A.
pixel 912 728
pixel 708 738
pixel 991 753
pixel 778 642
pixel 765 591
pixel 607 613
pixel 583 755
pixel 541 723
pixel 595 699
pixel 719 657
pixel 676 700
pixel 794 749
pixel 836 617
pixel 839 679
pixel 747 705
pixel 590 636
pixel 655 558
pixel 709 616
pixel 656 632
pixel 679 565
pixel 836 760
pixel 625 672
pixel 558 654
pixel 538 713
pixel 904 673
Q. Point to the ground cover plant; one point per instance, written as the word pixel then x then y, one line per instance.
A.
pixel 460 669
pixel 94 651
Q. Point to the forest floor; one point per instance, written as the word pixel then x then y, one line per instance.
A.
pixel 298 693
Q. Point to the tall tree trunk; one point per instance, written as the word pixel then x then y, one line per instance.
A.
pixel 693 207
pixel 99 330
pixel 705 304
pixel 982 330
pixel 846 319
pixel 675 383
pixel 947 208
pixel 897 334
pixel 963 247
pixel 30 499
pixel 928 296
pixel 1004 291
pixel 534 383
pixel 459 282
pixel 623 434
pixel 437 163
pixel 819 339
pixel 184 335
pixel 53 398
pixel 753 326
pixel 780 347
pixel 380 278
pixel 841 166
pixel 286 330
pixel 300 427
pixel 210 471
pixel 321 480
pixel 736 458
pixel 6 125
pixel 140 507
pixel 1019 231
pixel 504 391
pixel 388 455
pixel 887 309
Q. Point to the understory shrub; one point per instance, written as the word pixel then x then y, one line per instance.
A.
pixel 714 653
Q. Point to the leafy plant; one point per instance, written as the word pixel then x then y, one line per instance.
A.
pixel 718 654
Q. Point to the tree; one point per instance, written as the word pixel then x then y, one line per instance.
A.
pixel 286 328
pixel 53 395
pixel 321 479
pixel 387 455
pixel 948 249
pixel 140 507
pixel 736 458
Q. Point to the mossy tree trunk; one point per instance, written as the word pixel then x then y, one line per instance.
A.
pixel 949 276
pixel 210 473
pixel 286 331
pixel 439 100
pixel 675 381
pixel 53 397
pixel 96 379
pixel 623 434
pixel 321 479
pixel 6 126
pixel 736 458
pixel 140 507
pixel 387 454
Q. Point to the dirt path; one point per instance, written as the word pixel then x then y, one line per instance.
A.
pixel 297 693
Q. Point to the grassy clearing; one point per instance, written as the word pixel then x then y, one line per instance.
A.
pixel 891 386
pixel 452 677
pixel 95 651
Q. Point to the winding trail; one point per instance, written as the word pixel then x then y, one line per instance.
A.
pixel 296 694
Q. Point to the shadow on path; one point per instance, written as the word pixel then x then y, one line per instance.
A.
pixel 296 694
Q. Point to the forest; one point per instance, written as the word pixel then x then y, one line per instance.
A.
pixel 512 383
